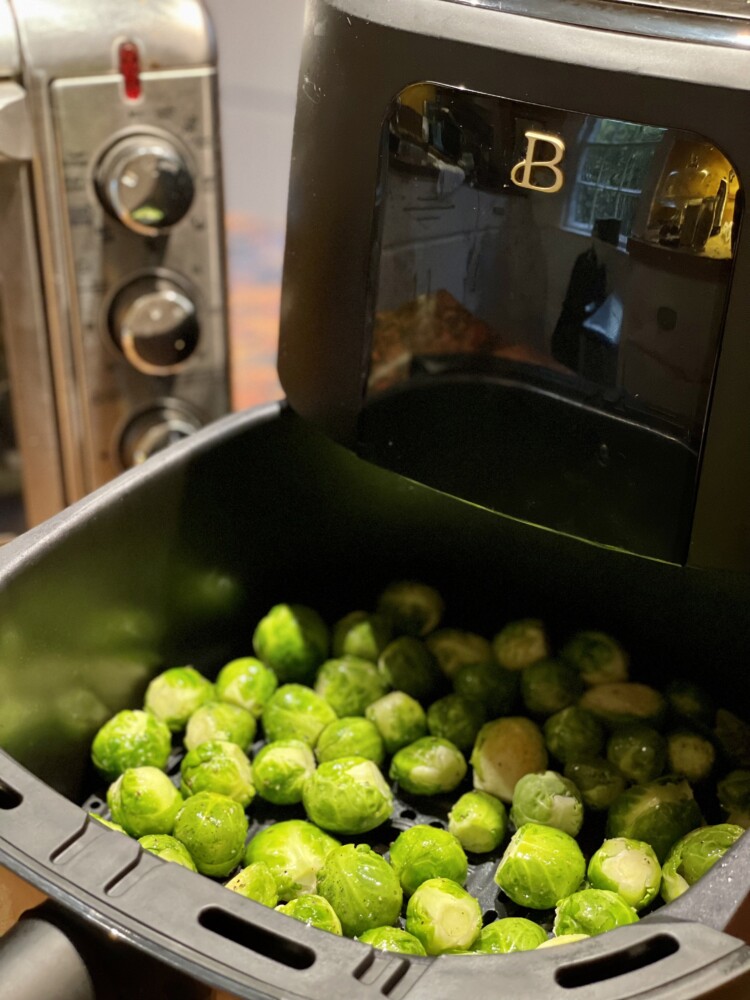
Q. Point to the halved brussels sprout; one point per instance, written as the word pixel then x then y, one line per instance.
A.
pixel 407 665
pixel 347 795
pixel 361 887
pixel 168 849
pixel 361 634
pixel 548 686
pixel 597 657
pixel 548 799
pixel 592 911
pixel 660 812
pixel 130 739
pixel 693 855
pixel 218 720
pixel 280 770
pixel 350 737
pixel 453 649
pixel 294 851
pixel 479 821
pixel 174 695
pixel 256 882
pixel 313 910
pixel 623 704
pixel 733 736
pixel 143 800
pixel 510 934
pixel 519 644
pixel 733 792
pixel 689 701
pixel 628 867
pixel 540 866
pixel 442 915
pixel 428 766
pixel 505 750
pixel 399 719
pixel 496 688
pixel 293 641
pixel 638 752
pixel 218 766
pixel 246 682
pixel 294 712
pixel 422 852
pixel 392 939
pixel 350 684
pixel 456 719
pixel 412 608
pixel 573 734
pixel 213 828
pixel 598 781
pixel 690 756
pixel 564 939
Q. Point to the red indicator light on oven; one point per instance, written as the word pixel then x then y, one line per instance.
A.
pixel 130 69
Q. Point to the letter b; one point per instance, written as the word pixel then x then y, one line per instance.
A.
pixel 521 173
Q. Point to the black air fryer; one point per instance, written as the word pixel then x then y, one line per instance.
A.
pixel 515 355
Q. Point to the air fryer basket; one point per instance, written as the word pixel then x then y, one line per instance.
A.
pixel 175 562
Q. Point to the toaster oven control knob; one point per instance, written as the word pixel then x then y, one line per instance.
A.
pixel 155 429
pixel 153 321
pixel 145 182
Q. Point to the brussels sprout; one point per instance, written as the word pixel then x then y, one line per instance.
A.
pixel 361 634
pixel 408 666
pixel 280 770
pixel 548 799
pixel 592 911
pixel 352 737
pixel 293 641
pixel 733 736
pixel 689 701
pixel 598 781
pixel 659 812
pixel 493 686
pixel 505 750
pixel 399 719
pixel 294 851
pixel 218 766
pixel 412 608
pixel 218 720
pixel 734 792
pixel 443 915
pixel 423 852
pixel 620 705
pixel 130 739
pixel 638 752
pixel 510 934
pixel 456 719
pixel 693 855
pixel 521 643
pixel 479 821
pixel 541 865
pixel 143 800
pixel 347 795
pixel 690 755
pixel 256 882
pixel 548 686
pixel 573 734
pixel 246 682
pixel 392 939
pixel 107 822
pixel 627 867
pixel 454 649
pixel 350 684
pixel 597 657
pixel 168 849
pixel 313 910
pixel 563 939
pixel 294 712
pixel 174 695
pixel 361 887
pixel 428 766
pixel 213 828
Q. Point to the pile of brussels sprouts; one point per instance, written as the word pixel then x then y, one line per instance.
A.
pixel 585 791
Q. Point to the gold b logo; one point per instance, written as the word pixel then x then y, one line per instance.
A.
pixel 521 173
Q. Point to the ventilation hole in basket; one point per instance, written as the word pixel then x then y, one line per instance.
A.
pixel 488 917
pixel 618 963
pixel 9 797
pixel 395 977
pixel 364 965
pixel 256 938
pixel 408 814
pixel 438 824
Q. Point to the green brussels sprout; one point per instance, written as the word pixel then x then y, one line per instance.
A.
pixel 598 658
pixel 246 682
pixel 493 686
pixel 255 881
pixel 592 911
pixel 350 684
pixel 361 634
pixel 422 852
pixel 294 712
pixel 174 695
pixel 510 934
pixel 361 887
pixel 638 752
pixel 350 737
pixel 505 750
pixel 541 865
pixel 293 641
pixel 563 939
pixel 213 828
pixel 219 720
pixel 407 665
pixel 218 766
pixel 280 770
pixel 733 736
pixel 143 800
pixel 442 915
pixel 412 608
pixel 627 867
pixel 548 799
pixel 519 644
pixel 392 939
pixel 733 792
pixel 294 851
pixel 399 719
pixel 688 701
pixel 314 911
pixel 456 719
pixel 479 821
pixel 548 686
pixel 693 855
pixel 573 734
pixel 130 739
pixel 347 795
pixel 690 755
pixel 428 766
pixel 168 849
pixel 659 812
pixel 453 649
pixel 107 822
pixel 598 781
pixel 623 704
